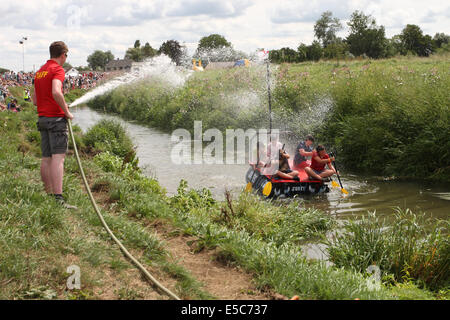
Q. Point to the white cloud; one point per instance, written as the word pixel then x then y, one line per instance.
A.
pixel 115 24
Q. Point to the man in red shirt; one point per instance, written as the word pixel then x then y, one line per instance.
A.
pixel 319 159
pixel 53 114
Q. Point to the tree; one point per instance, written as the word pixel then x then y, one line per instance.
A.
pixel 134 54
pixel 413 40
pixel 137 44
pixel 81 68
pixel 365 36
pixel 67 66
pixel 172 48
pixel 394 46
pixel 335 49
pixel 326 28
pixel 314 51
pixel 148 51
pixel 441 38
pixel 302 51
pixel 213 41
pixel 99 59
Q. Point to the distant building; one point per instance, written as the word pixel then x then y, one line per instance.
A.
pixel 72 73
pixel 219 65
pixel 119 65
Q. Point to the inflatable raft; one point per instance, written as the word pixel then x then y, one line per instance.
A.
pixel 271 186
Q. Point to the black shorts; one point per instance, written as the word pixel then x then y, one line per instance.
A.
pixel 54 135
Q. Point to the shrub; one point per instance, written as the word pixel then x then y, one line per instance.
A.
pixel 109 135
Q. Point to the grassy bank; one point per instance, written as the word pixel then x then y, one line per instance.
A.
pixel 262 238
pixel 384 117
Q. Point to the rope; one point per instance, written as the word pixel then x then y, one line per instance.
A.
pixel 117 241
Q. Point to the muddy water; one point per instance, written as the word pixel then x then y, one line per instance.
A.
pixel 365 193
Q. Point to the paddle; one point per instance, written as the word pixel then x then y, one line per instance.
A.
pixel 333 183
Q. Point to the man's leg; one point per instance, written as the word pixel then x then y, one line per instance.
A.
pixel 312 173
pixel 45 174
pixel 327 173
pixel 288 176
pixel 57 172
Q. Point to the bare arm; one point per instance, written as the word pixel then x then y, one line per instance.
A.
pixel 33 96
pixel 304 153
pixel 331 167
pixel 323 161
pixel 59 97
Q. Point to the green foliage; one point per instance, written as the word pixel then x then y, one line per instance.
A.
pixel 392 119
pixel 172 48
pixel 413 40
pixel 441 39
pixel 213 41
pixel 109 135
pixel 187 200
pixel 326 27
pixel 138 53
pixel 404 247
pixel 276 223
pixel 99 59
pixel 212 96
pixel 365 37
pixel 73 95
pixel 284 55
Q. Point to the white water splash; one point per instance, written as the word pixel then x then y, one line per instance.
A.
pixel 160 67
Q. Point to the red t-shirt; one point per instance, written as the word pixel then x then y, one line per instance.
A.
pixel 46 104
pixel 316 165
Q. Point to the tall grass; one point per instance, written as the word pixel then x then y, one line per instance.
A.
pixel 407 248
pixel 393 118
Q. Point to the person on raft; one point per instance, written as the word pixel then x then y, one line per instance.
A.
pixel 284 170
pixel 304 149
pixel 261 156
pixel 274 146
pixel 319 159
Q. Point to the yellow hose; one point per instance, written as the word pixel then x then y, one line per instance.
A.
pixel 124 250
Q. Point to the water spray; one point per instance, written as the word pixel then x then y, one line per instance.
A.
pixel 161 67
pixel 269 96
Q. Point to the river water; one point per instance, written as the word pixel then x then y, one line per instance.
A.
pixel 365 193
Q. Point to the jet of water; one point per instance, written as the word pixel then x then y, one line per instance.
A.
pixel 160 67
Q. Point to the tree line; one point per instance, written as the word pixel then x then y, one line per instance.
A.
pixel 365 39
pixel 210 48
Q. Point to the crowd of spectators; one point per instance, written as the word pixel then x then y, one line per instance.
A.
pixel 25 80
pixel 85 80
pixel 10 79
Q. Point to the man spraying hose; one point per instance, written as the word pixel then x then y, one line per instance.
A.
pixel 53 113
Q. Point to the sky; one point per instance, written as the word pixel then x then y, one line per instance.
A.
pixel 86 25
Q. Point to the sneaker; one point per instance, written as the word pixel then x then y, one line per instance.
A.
pixel 60 200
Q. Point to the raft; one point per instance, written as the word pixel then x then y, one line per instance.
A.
pixel 271 186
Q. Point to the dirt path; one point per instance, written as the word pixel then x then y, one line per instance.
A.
pixel 222 281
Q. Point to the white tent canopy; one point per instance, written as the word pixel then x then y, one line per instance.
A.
pixel 72 73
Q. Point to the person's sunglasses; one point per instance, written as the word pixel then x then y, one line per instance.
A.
pixel 65 54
